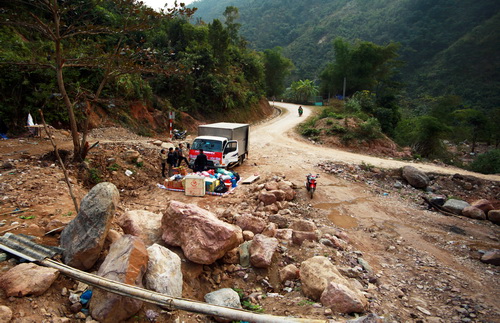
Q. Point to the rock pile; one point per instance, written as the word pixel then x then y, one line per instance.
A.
pixel 244 242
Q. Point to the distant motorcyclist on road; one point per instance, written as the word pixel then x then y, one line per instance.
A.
pixel 300 111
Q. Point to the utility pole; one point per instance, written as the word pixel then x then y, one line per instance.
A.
pixel 343 92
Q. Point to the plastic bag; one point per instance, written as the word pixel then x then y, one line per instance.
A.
pixel 221 188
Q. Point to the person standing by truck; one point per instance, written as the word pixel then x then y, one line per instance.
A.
pixel 200 162
pixel 171 161
pixel 163 160
pixel 181 156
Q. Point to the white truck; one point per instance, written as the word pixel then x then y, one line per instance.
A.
pixel 224 143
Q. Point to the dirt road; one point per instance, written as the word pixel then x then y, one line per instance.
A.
pixel 426 262
pixel 277 136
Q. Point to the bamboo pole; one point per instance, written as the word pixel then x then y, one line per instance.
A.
pixel 169 301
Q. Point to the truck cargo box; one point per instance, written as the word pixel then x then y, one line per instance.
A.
pixel 231 131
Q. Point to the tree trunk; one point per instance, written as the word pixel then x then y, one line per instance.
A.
pixel 62 87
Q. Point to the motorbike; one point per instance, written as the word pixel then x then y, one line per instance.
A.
pixel 179 134
pixel 311 183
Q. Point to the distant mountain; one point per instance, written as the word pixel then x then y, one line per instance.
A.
pixel 449 46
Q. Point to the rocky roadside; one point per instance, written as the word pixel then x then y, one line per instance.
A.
pixel 277 252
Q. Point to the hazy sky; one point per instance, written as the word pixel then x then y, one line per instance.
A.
pixel 156 4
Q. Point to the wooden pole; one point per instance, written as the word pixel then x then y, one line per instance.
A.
pixel 66 177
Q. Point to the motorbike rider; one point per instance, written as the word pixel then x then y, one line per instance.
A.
pixel 300 111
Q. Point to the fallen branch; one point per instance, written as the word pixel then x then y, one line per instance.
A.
pixel 15 211
pixel 10 229
pixel 438 208
pixel 66 177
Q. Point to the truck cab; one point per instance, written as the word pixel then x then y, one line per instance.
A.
pixel 225 144
pixel 220 151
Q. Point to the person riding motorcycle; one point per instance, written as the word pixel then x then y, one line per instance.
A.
pixel 301 111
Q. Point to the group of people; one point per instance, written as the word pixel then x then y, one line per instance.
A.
pixel 175 157
pixel 172 158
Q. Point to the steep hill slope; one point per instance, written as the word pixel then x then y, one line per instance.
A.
pixel 448 42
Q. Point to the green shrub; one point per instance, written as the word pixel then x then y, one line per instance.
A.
pixel 94 176
pixel 369 130
pixel 328 113
pixel 252 307
pixel 310 132
pixel 113 167
pixel 336 129
pixel 487 163
pixel 347 138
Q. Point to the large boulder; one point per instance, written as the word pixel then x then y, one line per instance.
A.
pixel 143 224
pixel 126 262
pixel 474 213
pixel 262 250
pixel 164 274
pixel 316 273
pixel 201 235
pixel 298 237
pixel 5 314
pixel 455 206
pixel 415 177
pixel 83 238
pixel 289 272
pixel 287 187
pixel 267 198
pixel 249 222
pixel 281 221
pixel 340 299
pixel 303 225
pixel 279 194
pixel 494 216
pixel 224 297
pixel 27 279
pixel 491 257
pixel 484 205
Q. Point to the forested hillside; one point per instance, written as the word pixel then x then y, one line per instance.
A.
pixel 449 46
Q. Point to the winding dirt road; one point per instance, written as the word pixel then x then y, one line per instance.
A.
pixel 278 136
pixel 424 257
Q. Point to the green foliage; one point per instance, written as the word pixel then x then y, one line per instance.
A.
pixel 472 125
pixel 366 166
pixel 449 46
pixel 310 132
pixel 302 91
pixel 364 66
pixel 277 68
pixel 369 130
pixel 424 135
pixel 336 129
pixel 487 163
pixel 69 213
pixel 94 176
pixel 240 292
pixel 113 167
pixel 27 217
pixel 252 307
pixel 365 104
pixel 306 302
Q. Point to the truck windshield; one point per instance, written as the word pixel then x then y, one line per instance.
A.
pixel 206 144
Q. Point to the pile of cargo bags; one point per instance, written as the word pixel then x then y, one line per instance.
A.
pixel 214 181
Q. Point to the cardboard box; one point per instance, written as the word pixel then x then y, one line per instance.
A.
pixel 211 184
pixel 173 184
pixel 194 185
